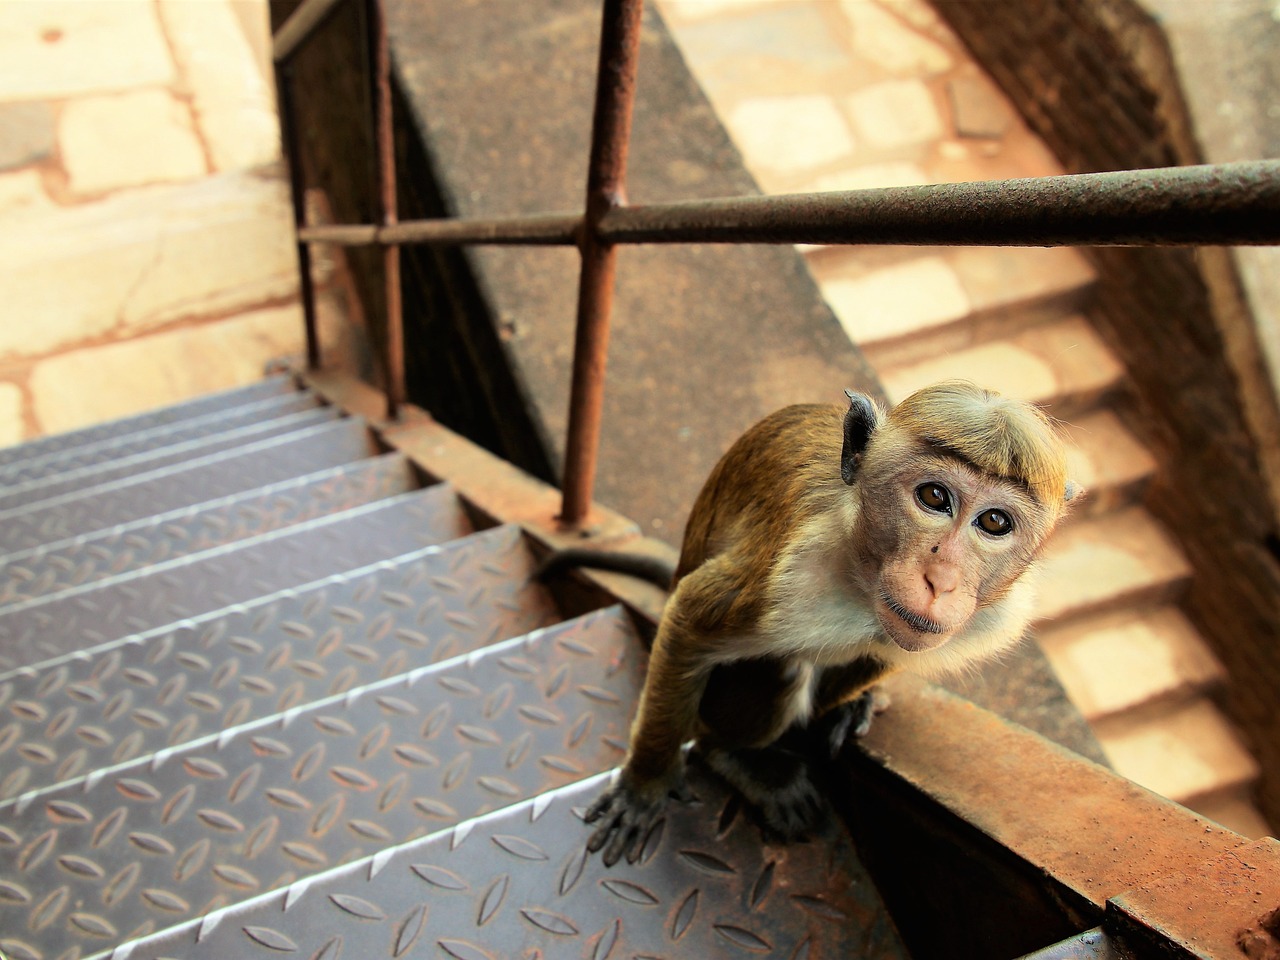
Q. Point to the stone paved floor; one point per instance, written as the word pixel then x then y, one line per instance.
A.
pixel 145 233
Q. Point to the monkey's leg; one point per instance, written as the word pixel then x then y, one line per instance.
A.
pixel 846 702
pixel 775 781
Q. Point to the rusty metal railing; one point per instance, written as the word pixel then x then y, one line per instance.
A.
pixel 1227 204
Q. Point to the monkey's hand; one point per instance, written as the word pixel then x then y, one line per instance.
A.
pixel 626 812
pixel 852 718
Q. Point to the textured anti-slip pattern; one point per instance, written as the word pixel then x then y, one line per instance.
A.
pixel 520 883
pixel 78 619
pixel 198 407
pixel 138 697
pixel 73 481
pixel 168 435
pixel 166 841
pixel 83 560
pixel 196 481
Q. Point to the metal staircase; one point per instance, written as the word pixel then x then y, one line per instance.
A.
pixel 263 691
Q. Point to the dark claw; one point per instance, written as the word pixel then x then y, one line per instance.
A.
pixel 623 817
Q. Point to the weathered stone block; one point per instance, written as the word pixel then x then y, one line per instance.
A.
pixel 128 140
pixel 887 41
pixel 897 301
pixel 143 258
pixel 788 134
pixel 896 113
pixel 21 189
pixel 12 426
pixel 26 133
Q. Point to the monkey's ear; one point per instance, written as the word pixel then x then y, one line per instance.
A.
pixel 860 422
pixel 1072 491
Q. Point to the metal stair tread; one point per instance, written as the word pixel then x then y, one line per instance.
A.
pixel 520 880
pixel 88 558
pixel 1097 563
pixel 157 690
pixel 95 474
pixel 197 406
pixel 191 482
pixel 1063 366
pixel 324 783
pixel 38 630
pixel 1129 659
pixel 1188 753
pixel 110 448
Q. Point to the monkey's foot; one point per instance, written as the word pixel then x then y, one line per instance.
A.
pixel 625 815
pixel 776 783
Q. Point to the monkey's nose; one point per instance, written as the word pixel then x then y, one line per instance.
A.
pixel 942 578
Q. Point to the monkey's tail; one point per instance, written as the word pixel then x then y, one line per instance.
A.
pixel 650 569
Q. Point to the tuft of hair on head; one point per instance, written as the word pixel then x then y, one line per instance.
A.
pixel 1000 435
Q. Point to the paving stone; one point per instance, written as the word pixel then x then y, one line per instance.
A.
pixel 66 48
pixel 896 301
pixel 1063 365
pixel 868 176
pixel 234 105
pixel 884 39
pixel 1095 564
pixel 144 257
pixel 26 133
pixel 1129 659
pixel 790 133
pixel 121 378
pixel 997 278
pixel 1192 752
pixel 978 109
pixel 20 190
pixel 12 426
pixel 896 113
pixel 127 140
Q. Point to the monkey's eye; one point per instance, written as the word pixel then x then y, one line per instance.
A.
pixel 995 522
pixel 934 496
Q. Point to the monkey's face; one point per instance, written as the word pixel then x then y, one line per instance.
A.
pixel 940 540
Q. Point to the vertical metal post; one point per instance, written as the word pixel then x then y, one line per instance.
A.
pixel 606 189
pixel 384 146
pixel 297 188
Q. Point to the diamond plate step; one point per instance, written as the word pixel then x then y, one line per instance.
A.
pixel 172 837
pixel 196 481
pixel 179 684
pixel 96 474
pixel 87 559
pixel 519 883
pixel 130 444
pixel 200 406
pixel 81 618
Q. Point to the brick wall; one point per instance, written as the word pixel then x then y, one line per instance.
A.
pixel 1094 78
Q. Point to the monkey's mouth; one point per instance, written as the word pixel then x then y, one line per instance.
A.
pixel 915 621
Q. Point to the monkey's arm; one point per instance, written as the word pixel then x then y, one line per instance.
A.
pixel 845 702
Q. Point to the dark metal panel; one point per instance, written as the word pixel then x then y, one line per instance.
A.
pixel 40 489
pixel 78 619
pixel 196 481
pixel 167 434
pixel 42 446
pixel 168 839
pixel 132 699
pixel 52 568
pixel 519 883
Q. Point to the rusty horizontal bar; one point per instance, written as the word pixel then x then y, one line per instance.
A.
pixel 1236 203
pixel 303 22
pixel 550 229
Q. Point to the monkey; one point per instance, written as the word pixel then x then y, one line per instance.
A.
pixel 827 550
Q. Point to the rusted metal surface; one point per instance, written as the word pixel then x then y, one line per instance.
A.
pixel 298 195
pixel 194 481
pixel 1234 204
pixel 606 190
pixel 153 423
pixel 1226 907
pixel 305 20
pixel 79 619
pixel 519 882
pixel 1092 833
pixel 273 802
pixel 385 162
pixel 63 565
pixel 189 682
pixel 1237 203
